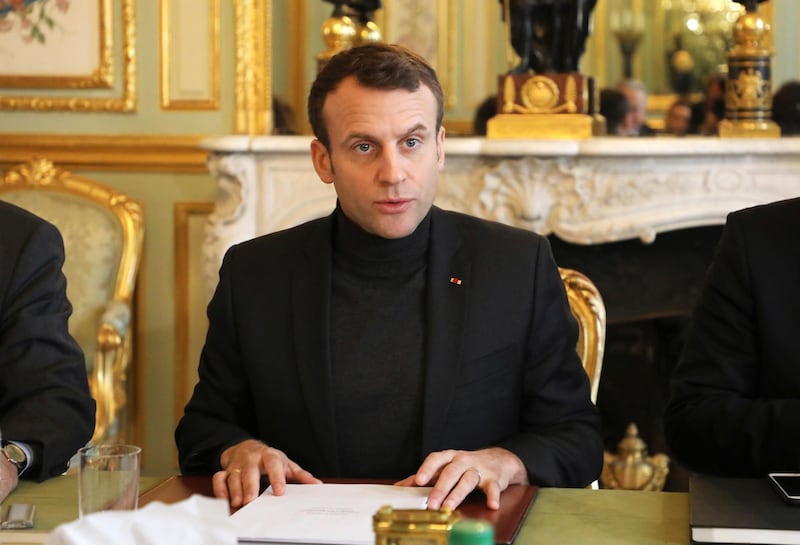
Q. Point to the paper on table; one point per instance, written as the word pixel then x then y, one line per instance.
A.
pixel 322 513
pixel 196 520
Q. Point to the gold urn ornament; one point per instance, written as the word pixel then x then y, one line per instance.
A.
pixel 748 91
pixel 631 468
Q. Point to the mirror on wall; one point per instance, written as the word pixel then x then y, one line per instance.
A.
pixel 675 46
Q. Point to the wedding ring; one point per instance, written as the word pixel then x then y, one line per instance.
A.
pixel 239 470
pixel 480 477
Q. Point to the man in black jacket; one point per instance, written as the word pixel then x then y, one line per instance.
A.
pixel 734 408
pixel 46 412
pixel 391 339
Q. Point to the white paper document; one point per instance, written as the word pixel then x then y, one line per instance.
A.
pixel 322 513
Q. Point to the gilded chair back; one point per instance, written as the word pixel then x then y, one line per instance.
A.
pixel 103 232
pixel 587 306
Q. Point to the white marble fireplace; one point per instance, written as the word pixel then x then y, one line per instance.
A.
pixel 585 192
pixel 588 193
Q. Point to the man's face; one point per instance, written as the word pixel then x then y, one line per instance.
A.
pixel 385 155
pixel 637 104
pixel 677 120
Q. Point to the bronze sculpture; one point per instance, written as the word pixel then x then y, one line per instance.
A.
pixel 548 35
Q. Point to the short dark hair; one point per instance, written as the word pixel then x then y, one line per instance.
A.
pixel 614 107
pixel 375 65
pixel 786 108
pixel 680 102
pixel 486 110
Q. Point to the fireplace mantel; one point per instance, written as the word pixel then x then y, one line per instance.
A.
pixel 585 192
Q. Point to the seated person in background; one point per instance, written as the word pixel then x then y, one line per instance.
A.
pixel 678 118
pixel 636 93
pixel 786 108
pixel 486 110
pixel 46 412
pixel 734 405
pixel 613 107
pixel 714 114
pixel 390 339
pixel 697 117
pixel 282 118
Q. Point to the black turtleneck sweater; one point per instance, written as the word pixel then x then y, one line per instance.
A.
pixel 377 317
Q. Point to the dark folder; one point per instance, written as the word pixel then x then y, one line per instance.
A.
pixel 724 510
pixel 515 502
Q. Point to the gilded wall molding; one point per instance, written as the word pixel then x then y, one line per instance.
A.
pixel 296 91
pixel 170 67
pixel 447 37
pixel 130 153
pixel 253 66
pixel 187 306
pixel 101 78
pixel 124 103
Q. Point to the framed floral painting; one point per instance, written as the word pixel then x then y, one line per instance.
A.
pixel 55 44
pixel 68 48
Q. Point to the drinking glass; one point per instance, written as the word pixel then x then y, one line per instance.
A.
pixel 108 478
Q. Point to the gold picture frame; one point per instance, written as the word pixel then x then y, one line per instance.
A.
pixel 189 59
pixel 98 75
pixel 190 319
pixel 104 76
pixel 253 23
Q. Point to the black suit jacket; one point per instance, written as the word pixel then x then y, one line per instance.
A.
pixel 734 407
pixel 44 391
pixel 500 363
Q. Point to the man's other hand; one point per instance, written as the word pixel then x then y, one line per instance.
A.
pixel 456 473
pixel 244 463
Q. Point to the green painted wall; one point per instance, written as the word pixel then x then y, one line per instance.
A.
pixel 161 190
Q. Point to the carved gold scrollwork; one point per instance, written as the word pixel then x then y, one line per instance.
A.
pixel 124 103
pixel 748 91
pixel 112 351
pixel 540 95
pixel 631 468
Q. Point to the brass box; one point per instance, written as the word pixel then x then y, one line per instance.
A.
pixel 412 526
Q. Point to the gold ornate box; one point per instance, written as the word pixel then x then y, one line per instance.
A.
pixel 412 526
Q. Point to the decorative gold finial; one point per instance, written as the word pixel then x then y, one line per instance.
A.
pixel 351 23
pixel 339 32
pixel 364 15
pixel 631 468
pixel 748 91
pixel 368 32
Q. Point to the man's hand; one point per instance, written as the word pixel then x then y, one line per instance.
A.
pixel 244 463
pixel 9 477
pixel 456 473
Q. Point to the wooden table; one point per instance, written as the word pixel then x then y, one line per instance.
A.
pixel 56 502
pixel 599 517
pixel 559 515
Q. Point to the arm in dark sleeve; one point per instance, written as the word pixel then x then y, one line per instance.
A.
pixel 723 416
pixel 44 391
pixel 218 414
pixel 560 442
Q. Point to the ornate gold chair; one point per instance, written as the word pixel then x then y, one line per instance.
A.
pixel 588 309
pixel 630 468
pixel 103 232
pixel 587 306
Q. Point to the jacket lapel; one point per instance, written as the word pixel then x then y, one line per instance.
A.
pixel 311 294
pixel 448 286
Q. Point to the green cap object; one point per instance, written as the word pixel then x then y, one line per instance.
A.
pixel 471 532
